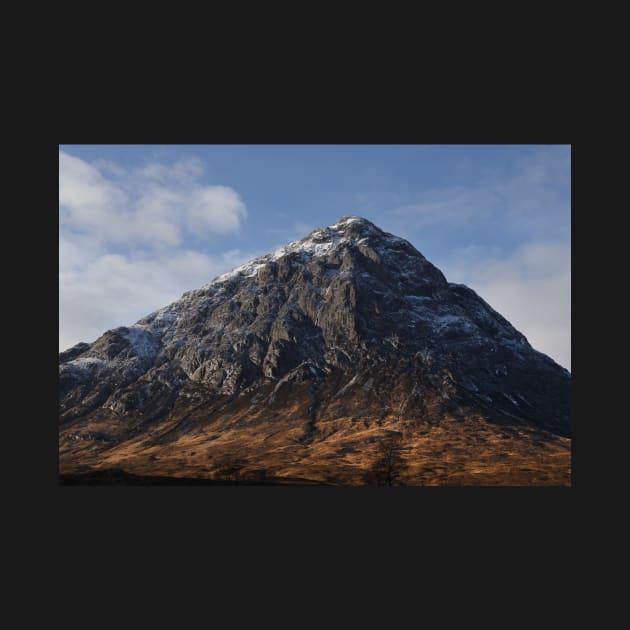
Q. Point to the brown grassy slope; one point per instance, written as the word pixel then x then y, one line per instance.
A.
pixel 282 442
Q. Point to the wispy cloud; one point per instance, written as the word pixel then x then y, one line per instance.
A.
pixel 524 199
pixel 125 240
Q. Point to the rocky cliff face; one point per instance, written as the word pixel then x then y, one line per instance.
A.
pixel 349 331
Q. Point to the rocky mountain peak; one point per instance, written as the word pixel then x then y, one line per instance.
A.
pixel 348 313
pixel 344 237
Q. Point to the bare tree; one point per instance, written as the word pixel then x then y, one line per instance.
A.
pixel 389 464
pixel 260 475
pixel 229 467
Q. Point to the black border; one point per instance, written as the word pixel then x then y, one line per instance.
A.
pixel 290 519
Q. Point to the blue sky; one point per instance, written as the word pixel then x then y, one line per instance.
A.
pixel 139 225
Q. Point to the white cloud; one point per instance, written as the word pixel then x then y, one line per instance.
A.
pixel 218 208
pixel 86 198
pixel 156 204
pixel 122 242
pixel 183 171
pixel 531 288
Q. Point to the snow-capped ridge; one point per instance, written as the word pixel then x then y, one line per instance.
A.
pixel 320 242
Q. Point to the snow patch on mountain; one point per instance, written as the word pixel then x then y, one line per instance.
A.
pixel 86 362
pixel 309 246
pixel 145 345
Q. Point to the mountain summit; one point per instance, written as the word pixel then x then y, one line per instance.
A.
pixel 298 363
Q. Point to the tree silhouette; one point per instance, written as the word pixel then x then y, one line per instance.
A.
pixel 229 467
pixel 260 475
pixel 389 464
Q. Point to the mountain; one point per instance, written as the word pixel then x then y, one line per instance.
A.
pixel 297 365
